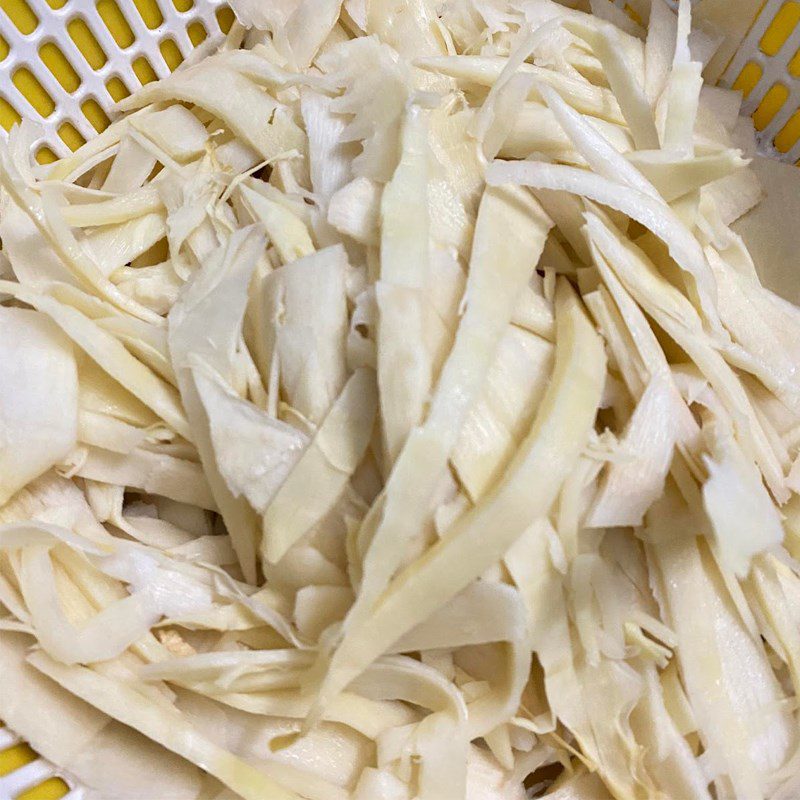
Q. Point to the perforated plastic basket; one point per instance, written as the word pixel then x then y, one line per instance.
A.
pixel 65 63
pixel 766 69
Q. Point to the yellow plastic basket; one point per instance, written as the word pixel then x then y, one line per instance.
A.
pixel 65 63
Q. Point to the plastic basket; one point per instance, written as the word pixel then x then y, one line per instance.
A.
pixel 65 63
pixel 766 69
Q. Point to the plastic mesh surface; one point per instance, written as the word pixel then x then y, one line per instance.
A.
pixel 766 69
pixel 66 63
